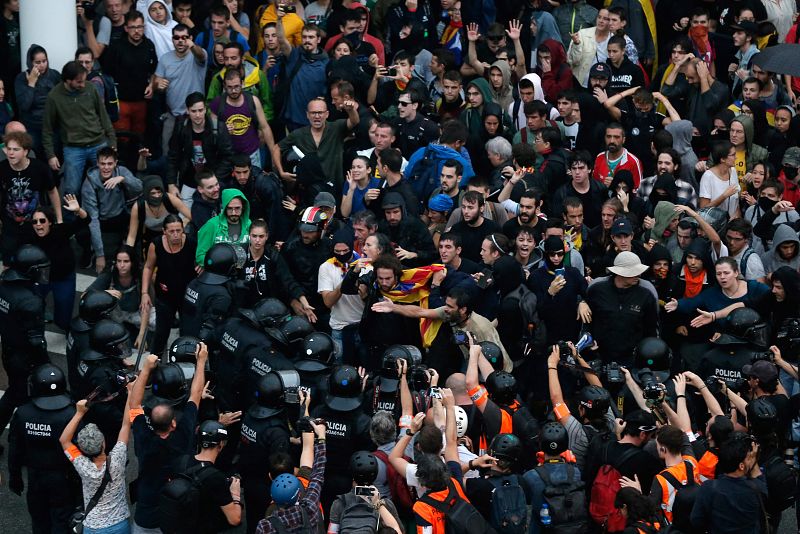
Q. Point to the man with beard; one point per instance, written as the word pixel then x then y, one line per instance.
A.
pixel 588 46
pixel 590 192
pixel 622 240
pixel 412 241
pixel 206 201
pixel 230 226
pixel 737 239
pixel 449 179
pixel 529 207
pixel 262 189
pixel 474 227
pixel 616 157
pixel 364 224
pixel 668 162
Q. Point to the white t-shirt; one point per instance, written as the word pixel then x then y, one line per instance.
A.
pixel 712 187
pixel 349 308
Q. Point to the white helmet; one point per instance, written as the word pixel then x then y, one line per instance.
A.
pixel 461 421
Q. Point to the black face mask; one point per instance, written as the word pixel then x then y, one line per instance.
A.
pixel 343 258
pixel 790 172
pixel 766 204
pixel 155 201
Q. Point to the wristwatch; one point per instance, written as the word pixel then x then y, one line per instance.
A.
pixel 409 433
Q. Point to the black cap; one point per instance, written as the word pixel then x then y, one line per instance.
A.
pixel 600 70
pixel 751 28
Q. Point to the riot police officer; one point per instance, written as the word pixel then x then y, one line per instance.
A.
pixel 22 324
pixel 103 376
pixel 294 332
pixel 316 361
pixel 265 430
pixel 209 298
pixel 94 305
pixel 746 336
pixel 169 386
pixel 386 384
pixel 245 351
pixel 347 429
pixel 33 443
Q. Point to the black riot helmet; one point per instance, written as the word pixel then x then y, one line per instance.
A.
pixel 47 387
pixel 29 263
pixel 364 467
pixel 652 353
pixel 318 352
pixel 594 399
pixel 788 338
pixel 555 439
pixel 183 349
pixel 502 387
pixel 506 447
pixel 270 398
pixel 296 329
pixel 110 338
pixel 271 313
pixel 169 384
pixel 344 389
pixel 493 354
pixel 745 325
pixel 222 262
pixel 211 433
pixel 95 305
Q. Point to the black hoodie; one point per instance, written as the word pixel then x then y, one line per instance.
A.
pixel 410 234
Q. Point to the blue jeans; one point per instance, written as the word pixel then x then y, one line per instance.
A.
pixel 123 527
pixel 346 341
pixel 63 299
pixel 76 161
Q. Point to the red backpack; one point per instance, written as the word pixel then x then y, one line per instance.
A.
pixel 604 492
pixel 403 497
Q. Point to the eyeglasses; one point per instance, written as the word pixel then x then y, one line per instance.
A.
pixel 317 113
pixel 403 103
pixel 557 253
pixel 43 220
pixel 180 37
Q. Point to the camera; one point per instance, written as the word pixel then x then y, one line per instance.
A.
pixel 652 390
pixel 767 355
pixel 612 371
pixel 418 378
pixel 392 71
pixel 367 278
pixel 460 337
pixel 289 8
pixel 88 9
pixel 788 339
pixel 436 393
pixel 124 378
pixel 304 424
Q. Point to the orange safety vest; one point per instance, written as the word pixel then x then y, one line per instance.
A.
pixel 708 465
pixel 506 424
pixel 431 515
pixel 668 493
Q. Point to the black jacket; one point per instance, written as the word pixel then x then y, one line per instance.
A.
pixel 217 150
pixel 303 262
pixel 411 235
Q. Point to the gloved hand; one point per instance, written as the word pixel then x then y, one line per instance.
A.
pixel 16 485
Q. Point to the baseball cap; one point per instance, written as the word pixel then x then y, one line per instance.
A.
pixel 553 244
pixel 640 420
pixel 600 70
pixel 763 370
pixel 791 157
pixel 324 200
pixel 622 226
pixel 440 202
pixel 745 26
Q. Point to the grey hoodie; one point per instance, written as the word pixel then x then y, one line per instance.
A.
pixel 772 260
pixel 682 142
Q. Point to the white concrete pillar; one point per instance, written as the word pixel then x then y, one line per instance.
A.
pixel 51 24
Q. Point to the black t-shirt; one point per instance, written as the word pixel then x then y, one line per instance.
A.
pixel 472 237
pixel 512 226
pixel 215 493
pixel 23 192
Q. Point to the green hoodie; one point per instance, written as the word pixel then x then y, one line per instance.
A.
pixel 216 229
pixel 664 214
pixel 473 117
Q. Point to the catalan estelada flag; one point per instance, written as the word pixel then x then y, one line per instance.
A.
pixel 415 288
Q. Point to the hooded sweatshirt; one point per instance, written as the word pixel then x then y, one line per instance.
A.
pixel 773 260
pixel 216 229
pixel 664 214
pixel 255 82
pixel 473 116
pixel 682 142
pixel 516 110
pixel 753 153
pixel 560 76
pixel 504 96
pixel 31 100
pixel 374 41
pixel 160 34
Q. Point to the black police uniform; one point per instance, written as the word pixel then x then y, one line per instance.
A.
pixel 103 375
pixel 261 437
pixel 205 303
pixel 304 261
pixel 22 335
pixel 77 343
pixel 52 484
pixel 235 337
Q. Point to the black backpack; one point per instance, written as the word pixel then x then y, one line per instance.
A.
pixel 358 516
pixel 509 507
pixel 781 484
pixel 569 513
pixel 534 334
pixel 685 497
pixel 425 177
pixel 179 506
pixel 110 96
pixel 460 517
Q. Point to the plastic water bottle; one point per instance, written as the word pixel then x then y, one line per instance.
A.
pixel 544 515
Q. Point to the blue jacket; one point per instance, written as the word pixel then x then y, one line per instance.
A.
pixel 308 84
pixel 440 153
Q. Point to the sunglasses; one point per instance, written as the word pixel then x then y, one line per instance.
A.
pixel 557 253
pixel 648 428
pixel 401 103
pixel 179 37
pixel 43 220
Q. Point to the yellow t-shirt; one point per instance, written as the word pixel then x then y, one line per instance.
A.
pixel 292 26
pixel 741 168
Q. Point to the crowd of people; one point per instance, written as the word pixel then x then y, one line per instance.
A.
pixel 447 265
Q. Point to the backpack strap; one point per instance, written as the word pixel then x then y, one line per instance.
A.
pixel 620 461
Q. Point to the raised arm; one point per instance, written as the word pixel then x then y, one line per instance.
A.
pixel 450 431
pixel 136 394
pixel 199 379
pixel 411 311
pixel 69 431
pixel 406 401
pixel 399 463
pixel 307 454
pixel 611 102
pixel 711 401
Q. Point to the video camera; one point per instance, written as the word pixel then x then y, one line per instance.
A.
pixel 652 390
pixel 611 372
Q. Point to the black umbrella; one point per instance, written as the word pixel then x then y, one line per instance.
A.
pixel 780 59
